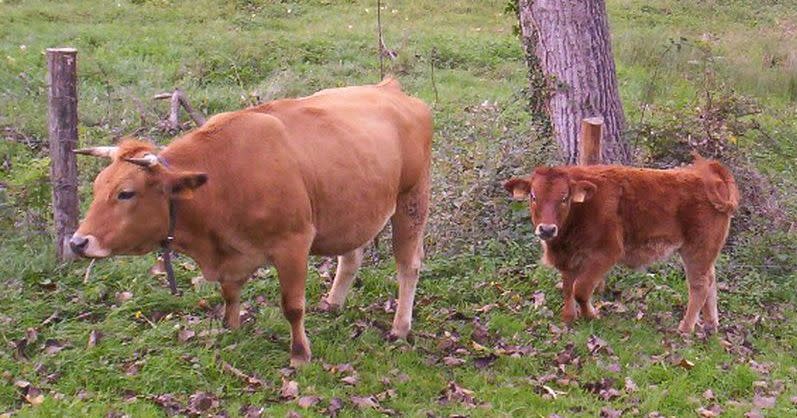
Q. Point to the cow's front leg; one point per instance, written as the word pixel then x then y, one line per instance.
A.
pixel 231 293
pixel 569 312
pixel 291 264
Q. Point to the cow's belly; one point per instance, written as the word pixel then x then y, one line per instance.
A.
pixel 351 228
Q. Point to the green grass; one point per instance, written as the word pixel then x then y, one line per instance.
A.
pixel 227 55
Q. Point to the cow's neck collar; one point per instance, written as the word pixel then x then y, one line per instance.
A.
pixel 166 243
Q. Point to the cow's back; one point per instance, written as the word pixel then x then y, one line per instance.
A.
pixel 357 149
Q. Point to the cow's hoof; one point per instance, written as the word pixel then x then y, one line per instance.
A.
pixel 398 334
pixel 327 307
pixel 394 336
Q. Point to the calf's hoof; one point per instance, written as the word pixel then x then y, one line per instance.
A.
pixel 589 313
pixel 231 324
pixel 300 355
pixel 569 314
pixel 685 328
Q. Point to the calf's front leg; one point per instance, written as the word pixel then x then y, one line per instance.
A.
pixel 231 293
pixel 585 284
pixel 569 312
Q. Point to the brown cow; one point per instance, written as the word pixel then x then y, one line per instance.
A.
pixel 590 218
pixel 273 184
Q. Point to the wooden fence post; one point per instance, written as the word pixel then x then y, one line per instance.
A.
pixel 62 121
pixel 591 130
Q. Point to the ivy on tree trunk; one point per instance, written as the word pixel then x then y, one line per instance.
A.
pixel 572 73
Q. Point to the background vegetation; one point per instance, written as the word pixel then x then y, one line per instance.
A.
pixel 717 75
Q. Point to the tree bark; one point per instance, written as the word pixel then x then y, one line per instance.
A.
pixel 569 40
pixel 62 121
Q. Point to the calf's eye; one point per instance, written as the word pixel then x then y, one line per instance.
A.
pixel 125 195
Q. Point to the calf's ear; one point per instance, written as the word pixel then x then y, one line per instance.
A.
pixel 583 190
pixel 182 185
pixel 519 187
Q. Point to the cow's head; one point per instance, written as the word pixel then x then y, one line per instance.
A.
pixel 130 210
pixel 551 192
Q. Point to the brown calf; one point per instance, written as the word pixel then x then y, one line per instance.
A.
pixel 590 218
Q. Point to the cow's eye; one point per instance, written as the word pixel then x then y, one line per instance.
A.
pixel 125 195
pixel 533 198
pixel 564 199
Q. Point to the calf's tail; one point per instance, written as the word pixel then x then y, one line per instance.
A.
pixel 719 183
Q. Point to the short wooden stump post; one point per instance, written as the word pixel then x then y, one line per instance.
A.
pixel 591 131
pixel 62 121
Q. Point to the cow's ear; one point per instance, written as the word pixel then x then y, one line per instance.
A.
pixel 583 190
pixel 182 185
pixel 519 187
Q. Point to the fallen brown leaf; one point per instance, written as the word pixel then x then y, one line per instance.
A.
pixel 335 405
pixel 308 401
pixel 289 390
pixel 764 402
pixel 351 380
pixel 200 402
pixel 185 335
pixel 364 402
pixel 94 338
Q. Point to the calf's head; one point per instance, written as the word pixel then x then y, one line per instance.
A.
pixel 551 193
pixel 130 210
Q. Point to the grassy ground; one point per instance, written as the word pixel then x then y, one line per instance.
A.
pixel 500 339
pixel 152 353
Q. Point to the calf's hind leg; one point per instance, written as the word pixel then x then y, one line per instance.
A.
pixel 700 278
pixel 710 314
pixel 408 224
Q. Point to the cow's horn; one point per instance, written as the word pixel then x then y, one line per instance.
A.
pixel 148 160
pixel 107 152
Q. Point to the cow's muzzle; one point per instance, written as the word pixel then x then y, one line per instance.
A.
pixel 87 246
pixel 78 244
pixel 546 231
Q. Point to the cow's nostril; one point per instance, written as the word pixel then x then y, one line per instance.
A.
pixel 78 244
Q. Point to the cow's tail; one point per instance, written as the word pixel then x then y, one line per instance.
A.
pixel 719 183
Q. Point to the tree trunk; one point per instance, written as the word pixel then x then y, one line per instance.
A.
pixel 570 43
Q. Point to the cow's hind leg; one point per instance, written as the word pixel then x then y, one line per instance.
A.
pixel 344 277
pixel 291 264
pixel 408 224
